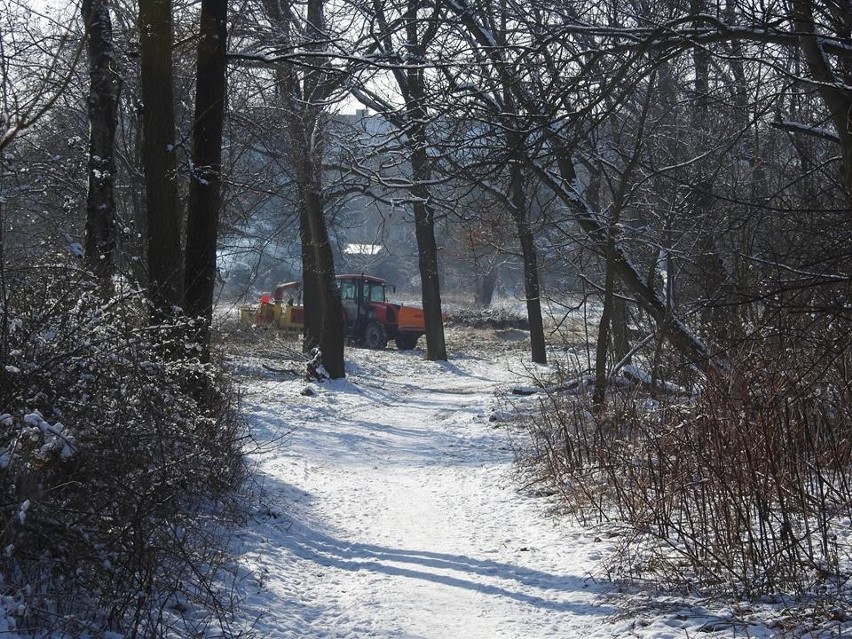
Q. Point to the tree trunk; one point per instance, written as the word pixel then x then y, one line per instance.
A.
pixel 485 285
pixel 619 328
pixel 303 91
pixel 324 328
pixel 834 90
pixel 424 216
pixel 411 123
pixel 305 98
pixel 427 247
pixel 158 158
pixel 532 287
pixel 103 104
pixel 328 325
pixel 205 201
pixel 602 346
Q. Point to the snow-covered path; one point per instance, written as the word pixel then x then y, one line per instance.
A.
pixel 393 513
pixel 390 508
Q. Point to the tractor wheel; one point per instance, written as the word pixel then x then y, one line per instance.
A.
pixel 406 341
pixel 375 336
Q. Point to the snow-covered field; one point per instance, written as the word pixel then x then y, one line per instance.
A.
pixel 390 507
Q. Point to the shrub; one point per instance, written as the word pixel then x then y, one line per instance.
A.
pixel 116 481
pixel 744 489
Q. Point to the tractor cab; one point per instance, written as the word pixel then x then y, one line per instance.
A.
pixel 364 302
pixel 361 290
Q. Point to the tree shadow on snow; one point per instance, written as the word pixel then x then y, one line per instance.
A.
pixel 397 445
pixel 305 540
pixel 525 585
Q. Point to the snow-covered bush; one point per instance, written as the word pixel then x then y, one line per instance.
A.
pixel 744 489
pixel 114 477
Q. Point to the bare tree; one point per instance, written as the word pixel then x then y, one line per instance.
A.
pixel 159 145
pixel 30 88
pixel 544 102
pixel 413 27
pixel 103 104
pixel 37 68
pixel 815 22
pixel 205 200
pixel 305 87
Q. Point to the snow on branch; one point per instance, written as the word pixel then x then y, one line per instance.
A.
pixel 793 126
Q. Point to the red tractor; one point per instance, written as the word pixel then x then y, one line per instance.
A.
pixel 370 319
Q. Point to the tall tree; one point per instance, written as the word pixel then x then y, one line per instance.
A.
pixel 163 246
pixel 553 88
pixel 491 159
pixel 414 35
pixel 305 86
pixel 517 144
pixel 103 106
pixel 205 201
pixel 519 207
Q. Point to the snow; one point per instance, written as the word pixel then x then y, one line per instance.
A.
pixel 362 249
pixel 389 506
pixel 396 513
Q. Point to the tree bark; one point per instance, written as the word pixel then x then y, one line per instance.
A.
pixel 304 97
pixel 205 201
pixel 163 235
pixel 424 215
pixel 102 111
pixel 834 91
pixel 485 284
pixel 427 247
pixel 324 328
pixel 532 286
